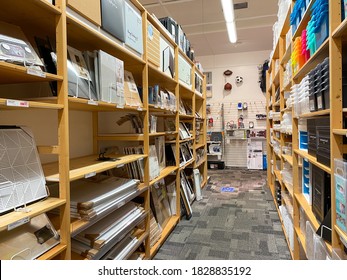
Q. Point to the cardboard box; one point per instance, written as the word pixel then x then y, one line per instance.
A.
pixel 87 8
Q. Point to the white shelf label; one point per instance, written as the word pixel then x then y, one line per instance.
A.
pixel 18 223
pixel 139 109
pixel 91 174
pixel 119 166
pixel 120 106
pixel 93 102
pixel 17 103
pixel 36 72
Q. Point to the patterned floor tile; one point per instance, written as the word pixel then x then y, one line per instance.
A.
pixel 242 224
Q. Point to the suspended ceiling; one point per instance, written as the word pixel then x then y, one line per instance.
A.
pixel 203 23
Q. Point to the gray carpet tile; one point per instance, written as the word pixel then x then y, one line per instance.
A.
pixel 241 225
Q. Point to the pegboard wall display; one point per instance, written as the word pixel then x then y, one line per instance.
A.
pixel 241 122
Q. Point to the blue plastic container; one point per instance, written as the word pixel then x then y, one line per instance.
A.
pixel 322 30
pixel 303 140
pixel 264 162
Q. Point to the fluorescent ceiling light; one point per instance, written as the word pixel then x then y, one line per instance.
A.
pixel 231 27
pixel 229 16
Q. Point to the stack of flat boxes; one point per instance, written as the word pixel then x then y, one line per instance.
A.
pixel 319 147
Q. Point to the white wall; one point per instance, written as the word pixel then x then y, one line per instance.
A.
pixel 245 65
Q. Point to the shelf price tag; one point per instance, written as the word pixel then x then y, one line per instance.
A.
pixel 120 106
pixel 17 103
pixel 36 72
pixel 18 223
pixel 119 166
pixel 139 109
pixel 91 174
pixel 93 102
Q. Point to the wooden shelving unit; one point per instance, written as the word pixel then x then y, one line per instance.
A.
pixel 67 27
pixel 332 48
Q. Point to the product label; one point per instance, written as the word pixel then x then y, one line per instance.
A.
pixel 17 103
pixel 18 223
pixel 93 102
pixel 91 174
pixel 36 72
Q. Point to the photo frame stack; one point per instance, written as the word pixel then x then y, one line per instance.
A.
pixel 131 92
pixel 160 148
pixel 161 203
pixel 184 131
pixel 135 169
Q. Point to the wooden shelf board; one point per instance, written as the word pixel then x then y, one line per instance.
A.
pixel 198 146
pixel 302 238
pixel 200 163
pixel 187 164
pixel 78 225
pixel 199 95
pixel 317 57
pixel 12 74
pixel 188 117
pixel 187 140
pixel 288 159
pixel 286 55
pixel 307 209
pixel 278 175
pixel 342 132
pixel 156 76
pixel 165 172
pixel 87 166
pixel 164 235
pixel 315 114
pixel 36 209
pixel 185 91
pixel 276 80
pixel 286 24
pixel 304 21
pixel 31 105
pixel 85 35
pixel 341 30
pixel 155 108
pixel 80 104
pixel 53 252
pixel 166 133
pixel 287 87
pixel 290 189
pixel 120 137
pixel 341 233
pixel 313 160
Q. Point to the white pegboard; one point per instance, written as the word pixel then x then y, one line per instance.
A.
pixel 235 151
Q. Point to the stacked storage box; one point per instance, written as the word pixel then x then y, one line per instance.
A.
pixel 300 93
pixel 319 139
pixel 318 26
pixel 298 12
pixel 306 184
pixel 298 59
pixel 319 90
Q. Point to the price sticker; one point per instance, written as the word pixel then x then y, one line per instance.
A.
pixel 36 72
pixel 18 223
pixel 91 174
pixel 17 103
pixel 93 102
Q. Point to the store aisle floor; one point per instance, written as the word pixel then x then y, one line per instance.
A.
pixel 236 219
